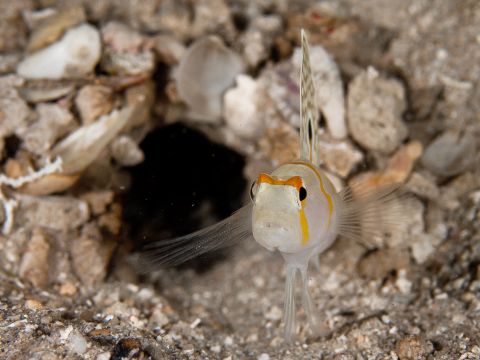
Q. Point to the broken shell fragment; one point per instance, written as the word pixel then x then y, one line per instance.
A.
pixel 83 146
pixel 49 184
pixel 53 26
pixel 44 91
pixel 76 54
pixel 206 70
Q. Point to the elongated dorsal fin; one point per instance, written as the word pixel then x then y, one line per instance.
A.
pixel 308 109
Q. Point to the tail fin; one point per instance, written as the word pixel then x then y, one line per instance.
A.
pixel 369 213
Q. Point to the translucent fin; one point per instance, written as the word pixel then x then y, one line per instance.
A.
pixel 171 252
pixel 315 259
pixel 366 214
pixel 308 109
pixel 307 302
pixel 289 306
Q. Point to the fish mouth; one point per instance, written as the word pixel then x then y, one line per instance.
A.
pixel 272 235
pixel 275 226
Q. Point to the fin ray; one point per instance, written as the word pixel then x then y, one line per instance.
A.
pixel 172 252
pixel 367 214
pixel 309 113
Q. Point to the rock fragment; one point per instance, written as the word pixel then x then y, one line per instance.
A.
pixel 455 189
pixel 125 52
pixel 126 152
pixel 14 111
pixel 74 55
pixel 52 212
pixel 423 185
pixel 112 220
pixel 8 62
pixel 241 111
pixel 98 201
pixel 76 342
pixel 90 255
pixel 211 16
pixel 34 265
pixel 280 143
pixel 451 153
pixel 375 107
pixel 53 26
pixel 412 347
pixel 140 98
pixel 423 245
pixel 93 101
pixel 53 122
pixel 340 157
pixel 12 28
pixel 397 171
pixel 380 263
pixel 168 48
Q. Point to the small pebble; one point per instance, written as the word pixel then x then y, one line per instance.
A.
pixel 375 108
pixel 228 341
pixel 33 304
pixel 77 342
pixel 126 152
pixel 103 356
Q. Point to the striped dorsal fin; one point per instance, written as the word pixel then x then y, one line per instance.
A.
pixel 308 109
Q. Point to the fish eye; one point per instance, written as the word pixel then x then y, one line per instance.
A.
pixel 252 194
pixel 302 193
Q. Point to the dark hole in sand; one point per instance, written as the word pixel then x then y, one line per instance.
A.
pixel 185 183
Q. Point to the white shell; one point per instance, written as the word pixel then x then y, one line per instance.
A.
pixel 76 54
pixel 84 145
pixel 206 70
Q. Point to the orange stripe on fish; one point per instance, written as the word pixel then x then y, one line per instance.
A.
pixel 328 197
pixel 304 224
pixel 295 181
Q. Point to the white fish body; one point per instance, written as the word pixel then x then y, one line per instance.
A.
pixel 295 211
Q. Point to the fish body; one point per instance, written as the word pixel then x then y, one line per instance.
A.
pixel 295 210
